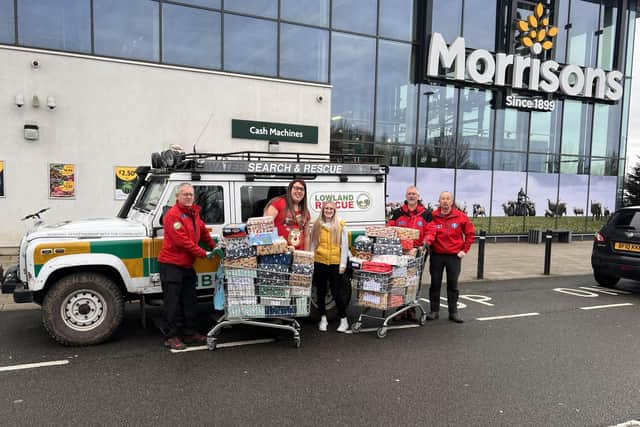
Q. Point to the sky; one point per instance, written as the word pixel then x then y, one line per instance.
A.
pixel 633 140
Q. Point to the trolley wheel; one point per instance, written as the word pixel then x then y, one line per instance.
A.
pixel 382 332
pixel 211 343
pixel 423 319
pixel 296 342
pixel 356 327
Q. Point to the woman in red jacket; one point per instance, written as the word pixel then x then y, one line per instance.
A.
pixel 450 235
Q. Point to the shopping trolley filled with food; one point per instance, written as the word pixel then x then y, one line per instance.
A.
pixel 264 280
pixel 387 272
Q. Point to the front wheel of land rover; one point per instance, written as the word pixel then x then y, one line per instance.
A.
pixel 82 309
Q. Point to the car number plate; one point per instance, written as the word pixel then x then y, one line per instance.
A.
pixel 629 247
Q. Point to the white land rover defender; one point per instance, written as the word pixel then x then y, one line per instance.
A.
pixel 82 272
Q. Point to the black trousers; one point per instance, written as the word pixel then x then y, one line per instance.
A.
pixel 437 264
pixel 180 299
pixel 323 273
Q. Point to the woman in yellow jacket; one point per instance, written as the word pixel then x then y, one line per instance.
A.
pixel 330 246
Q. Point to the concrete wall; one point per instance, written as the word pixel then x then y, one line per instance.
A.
pixel 116 113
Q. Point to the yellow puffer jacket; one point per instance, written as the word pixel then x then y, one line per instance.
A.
pixel 328 252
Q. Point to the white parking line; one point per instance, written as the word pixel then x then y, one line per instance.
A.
pixel 388 328
pixel 33 365
pixel 226 344
pixel 595 307
pixel 510 316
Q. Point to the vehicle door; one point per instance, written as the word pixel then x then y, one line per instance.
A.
pixel 215 201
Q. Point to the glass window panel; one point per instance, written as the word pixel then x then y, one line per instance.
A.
pixel 607 42
pixel 544 163
pixel 606 134
pixel 396 96
pixel 512 129
pixel 353 80
pixel 446 18
pixel 604 167
pixel 214 4
pixel 352 152
pixel 576 128
pixel 431 156
pixel 560 42
pixel 313 12
pixel 475 128
pixel 357 16
pixel 630 41
pixel 574 165
pixel 438 116
pixel 250 45
pixel 127 29
pixel 210 198
pixel 62 25
pixel 544 136
pixel 266 8
pixel 304 53
pixel 480 24
pixel 625 117
pixel 396 19
pixel 7 23
pixel 190 36
pixel 254 198
pixel 572 199
pixel 396 155
pixel 508 161
pixel 582 35
pixel 473 159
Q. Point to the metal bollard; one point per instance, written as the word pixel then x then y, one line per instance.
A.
pixel 548 236
pixel 481 242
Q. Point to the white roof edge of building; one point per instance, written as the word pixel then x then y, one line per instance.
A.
pixel 156 65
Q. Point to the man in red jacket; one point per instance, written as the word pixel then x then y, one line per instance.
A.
pixel 183 231
pixel 412 214
pixel 450 236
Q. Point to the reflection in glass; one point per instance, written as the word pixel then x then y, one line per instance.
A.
pixel 509 161
pixel 447 18
pixel 582 35
pixel 190 36
pixel 574 165
pixel 604 167
pixel 560 42
pixel 250 45
pixel 606 133
pixel 312 12
pixel 544 135
pixel 62 25
pixel 352 152
pixel 396 19
pixel 396 155
pixel 7 23
pixel 625 117
pixel 631 31
pixel 576 128
pixel 266 8
pixel 512 129
pixel 607 39
pixel 304 53
pixel 126 29
pixel 353 80
pixel 214 4
pixel 476 118
pixel 544 163
pixel 357 16
pixel 473 159
pixel 396 97
pixel 480 24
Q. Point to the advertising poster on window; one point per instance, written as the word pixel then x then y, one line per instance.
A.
pixel 1 178
pixel 431 182
pixel 473 195
pixel 62 180
pixel 125 180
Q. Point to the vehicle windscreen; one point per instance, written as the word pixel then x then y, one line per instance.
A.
pixel 629 219
pixel 150 196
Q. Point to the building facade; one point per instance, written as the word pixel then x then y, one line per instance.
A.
pixel 517 155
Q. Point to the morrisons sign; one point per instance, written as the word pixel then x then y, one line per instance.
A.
pixel 495 70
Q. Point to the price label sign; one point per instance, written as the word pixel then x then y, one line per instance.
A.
pixel 125 180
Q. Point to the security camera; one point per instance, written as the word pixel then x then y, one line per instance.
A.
pixel 19 100
pixel 319 98
pixel 51 102
pixel 35 64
